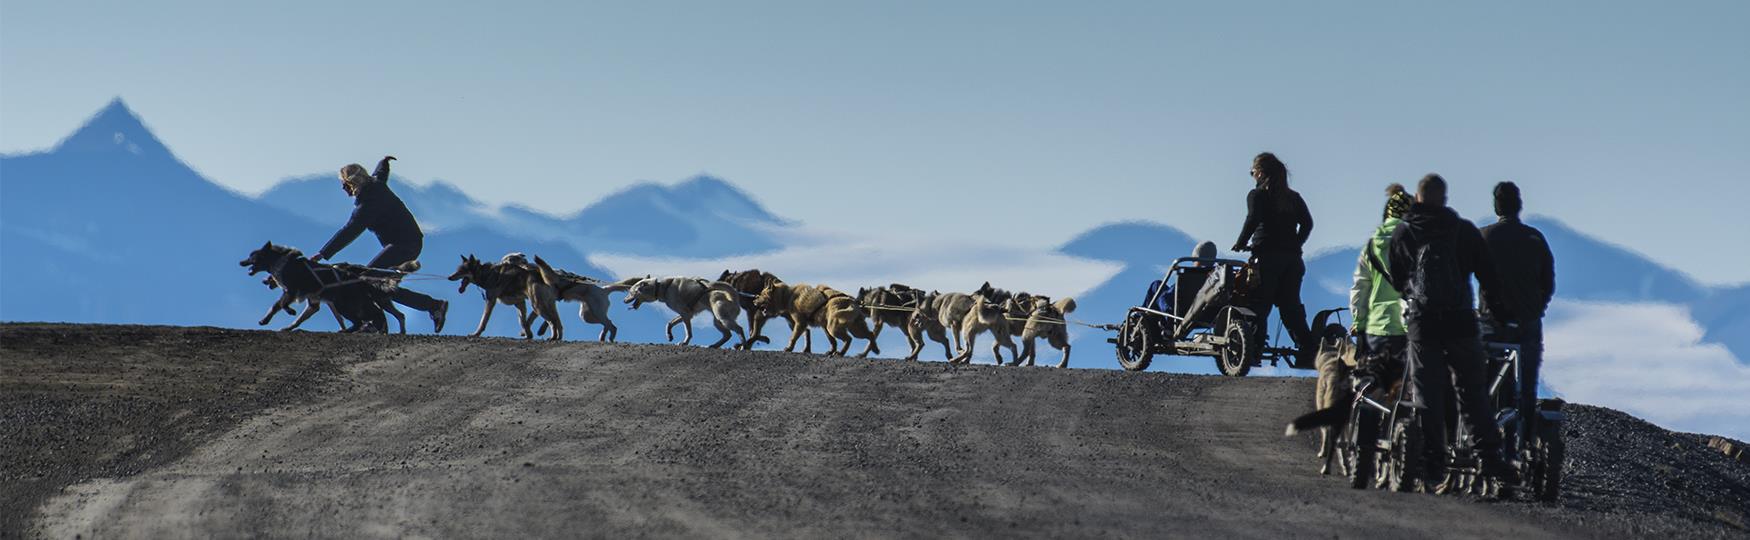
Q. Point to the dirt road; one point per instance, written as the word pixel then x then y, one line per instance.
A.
pixel 151 432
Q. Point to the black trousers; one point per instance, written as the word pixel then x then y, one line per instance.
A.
pixel 1530 361
pixel 1279 279
pixel 1447 361
pixel 394 254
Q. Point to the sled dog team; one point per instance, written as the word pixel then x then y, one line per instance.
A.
pixel 359 296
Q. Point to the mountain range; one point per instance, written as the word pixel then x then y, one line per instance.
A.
pixel 110 226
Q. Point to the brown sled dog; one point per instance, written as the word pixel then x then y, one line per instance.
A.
pixel 986 315
pixel 816 306
pixel 1044 319
pixel 591 296
pixel 894 306
pixel 748 284
pixel 513 282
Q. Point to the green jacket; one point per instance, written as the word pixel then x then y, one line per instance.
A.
pixel 1376 305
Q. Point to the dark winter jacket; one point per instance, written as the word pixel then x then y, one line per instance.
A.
pixel 1439 228
pixel 1273 225
pixel 1527 269
pixel 377 209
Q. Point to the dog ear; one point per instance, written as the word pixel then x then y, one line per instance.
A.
pixel 266 245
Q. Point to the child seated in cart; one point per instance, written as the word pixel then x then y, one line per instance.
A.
pixel 1164 300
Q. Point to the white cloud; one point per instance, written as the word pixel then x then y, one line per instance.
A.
pixel 1649 360
pixel 848 262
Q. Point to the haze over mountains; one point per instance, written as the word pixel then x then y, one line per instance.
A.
pixel 110 226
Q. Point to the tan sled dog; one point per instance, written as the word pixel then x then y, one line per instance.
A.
pixel 985 315
pixel 689 296
pixel 511 281
pixel 816 306
pixel 927 321
pixel 590 294
pixel 1335 361
pixel 1045 319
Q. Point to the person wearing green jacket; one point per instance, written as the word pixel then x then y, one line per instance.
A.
pixel 1376 305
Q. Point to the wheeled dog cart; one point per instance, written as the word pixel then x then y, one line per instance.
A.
pixel 1198 309
pixel 1382 442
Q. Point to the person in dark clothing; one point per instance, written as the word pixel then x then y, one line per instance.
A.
pixel 1277 225
pixel 377 209
pixel 1527 272
pixel 1433 254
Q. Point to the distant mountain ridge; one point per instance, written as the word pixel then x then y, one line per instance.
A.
pixel 700 217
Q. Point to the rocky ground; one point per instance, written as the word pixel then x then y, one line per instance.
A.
pixel 152 431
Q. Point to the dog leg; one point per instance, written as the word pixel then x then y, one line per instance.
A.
pixel 549 311
pixel 310 309
pixel 283 302
pixel 687 326
pixel 721 328
pixel 796 331
pixel 965 356
pixel 486 316
pixel 400 319
pixel 1064 363
pixel 525 319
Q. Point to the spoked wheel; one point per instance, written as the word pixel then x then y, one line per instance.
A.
pixel 1406 454
pixel 1362 444
pixel 1236 356
pixel 1135 343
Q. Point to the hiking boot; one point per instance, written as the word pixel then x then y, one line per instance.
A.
pixel 437 316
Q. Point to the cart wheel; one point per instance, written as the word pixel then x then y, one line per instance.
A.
pixel 1362 440
pixel 1135 343
pixel 1405 455
pixel 1546 468
pixel 1235 358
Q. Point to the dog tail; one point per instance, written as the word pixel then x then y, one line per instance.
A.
pixel 622 285
pixel 724 305
pixel 1333 416
pixel 1066 305
pixel 548 275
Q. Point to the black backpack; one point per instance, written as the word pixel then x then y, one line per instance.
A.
pixel 1438 282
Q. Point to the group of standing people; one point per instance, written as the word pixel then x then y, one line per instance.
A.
pixel 1412 294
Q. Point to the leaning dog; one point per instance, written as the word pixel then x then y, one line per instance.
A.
pixel 689 296
pixel 1044 319
pixel 748 284
pixel 512 281
pixel 821 306
pixel 591 295
pixel 354 293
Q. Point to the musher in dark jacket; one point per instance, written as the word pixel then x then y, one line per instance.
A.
pixel 1434 253
pixel 1527 273
pixel 1277 225
pixel 377 209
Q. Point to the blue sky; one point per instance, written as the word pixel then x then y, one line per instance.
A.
pixel 1626 120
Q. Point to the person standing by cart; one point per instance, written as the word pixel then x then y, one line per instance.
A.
pixel 1433 255
pixel 1528 282
pixel 1277 225
pixel 1376 305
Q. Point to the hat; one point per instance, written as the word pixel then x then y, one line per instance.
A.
pixel 1397 201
